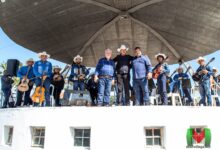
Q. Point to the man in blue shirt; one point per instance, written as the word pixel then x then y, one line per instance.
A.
pixel 142 72
pixel 105 75
pixel 178 83
pixel 43 71
pixel 24 73
pixel 163 70
pixel 204 83
pixel 78 74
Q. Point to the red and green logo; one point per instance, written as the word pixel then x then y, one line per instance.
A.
pixel 198 138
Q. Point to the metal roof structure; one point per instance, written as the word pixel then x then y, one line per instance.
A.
pixel 182 29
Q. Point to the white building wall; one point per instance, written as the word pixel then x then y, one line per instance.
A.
pixel 112 128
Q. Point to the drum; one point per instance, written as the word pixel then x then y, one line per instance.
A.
pixel 186 83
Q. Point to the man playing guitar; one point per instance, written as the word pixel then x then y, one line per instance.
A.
pixel 160 72
pixel 26 75
pixel 204 83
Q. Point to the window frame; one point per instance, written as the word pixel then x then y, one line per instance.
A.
pixel 40 136
pixel 81 137
pixel 162 138
pixel 8 135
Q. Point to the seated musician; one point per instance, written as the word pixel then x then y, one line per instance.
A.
pixel 6 83
pixel 25 73
pixel 78 74
pixel 214 83
pixel 43 71
pixel 178 80
pixel 204 83
pixel 162 69
pixel 58 83
pixel 142 72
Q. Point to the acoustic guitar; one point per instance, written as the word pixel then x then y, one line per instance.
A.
pixel 157 71
pixel 39 94
pixel 23 86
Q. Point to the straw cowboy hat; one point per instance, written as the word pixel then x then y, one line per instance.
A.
pixel 200 58
pixel 161 55
pixel 57 67
pixel 43 54
pixel 215 69
pixel 122 47
pixel 78 57
pixel 30 60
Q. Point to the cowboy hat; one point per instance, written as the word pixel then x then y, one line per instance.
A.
pixel 77 57
pixel 43 54
pixel 122 47
pixel 57 67
pixel 214 69
pixel 161 55
pixel 200 58
pixel 30 60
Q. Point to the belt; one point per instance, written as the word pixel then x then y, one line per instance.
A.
pixel 105 76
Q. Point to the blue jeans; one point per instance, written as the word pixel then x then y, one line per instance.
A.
pixel 205 91
pixel 104 90
pixel 162 89
pixel 141 91
pixel 7 94
pixel 46 85
pixel 78 85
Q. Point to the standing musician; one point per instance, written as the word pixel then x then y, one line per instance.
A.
pixel 58 82
pixel 123 65
pixel 178 80
pixel 214 83
pixel 142 72
pixel 204 83
pixel 78 74
pixel 43 72
pixel 26 73
pixel 162 70
pixel 6 86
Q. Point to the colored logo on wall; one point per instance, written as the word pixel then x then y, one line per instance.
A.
pixel 198 138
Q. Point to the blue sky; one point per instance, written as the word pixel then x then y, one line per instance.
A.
pixel 10 50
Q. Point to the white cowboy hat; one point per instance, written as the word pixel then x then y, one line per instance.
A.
pixel 122 47
pixel 30 60
pixel 160 54
pixel 57 67
pixel 78 57
pixel 43 54
pixel 200 58
pixel 214 69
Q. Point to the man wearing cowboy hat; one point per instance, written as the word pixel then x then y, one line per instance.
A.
pixel 177 81
pixel 163 70
pixel 105 76
pixel 214 84
pixel 78 74
pixel 123 65
pixel 58 83
pixel 204 83
pixel 142 72
pixel 43 72
pixel 26 72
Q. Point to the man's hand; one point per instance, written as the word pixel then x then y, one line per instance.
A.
pixel 204 71
pixel 113 82
pixel 44 77
pixel 149 75
pixel 25 77
pixel 180 78
pixel 96 78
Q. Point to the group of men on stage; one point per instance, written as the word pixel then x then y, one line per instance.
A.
pixel 110 71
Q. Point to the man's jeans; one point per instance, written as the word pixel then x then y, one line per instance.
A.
pixel 205 91
pixel 78 85
pixel 46 85
pixel 104 90
pixel 162 88
pixel 141 91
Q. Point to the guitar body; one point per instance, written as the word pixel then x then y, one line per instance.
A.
pixel 39 95
pixel 196 77
pixel 23 87
pixel 157 72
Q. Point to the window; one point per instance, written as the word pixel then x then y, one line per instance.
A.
pixel 8 135
pixel 81 137
pixel 38 136
pixel 154 137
